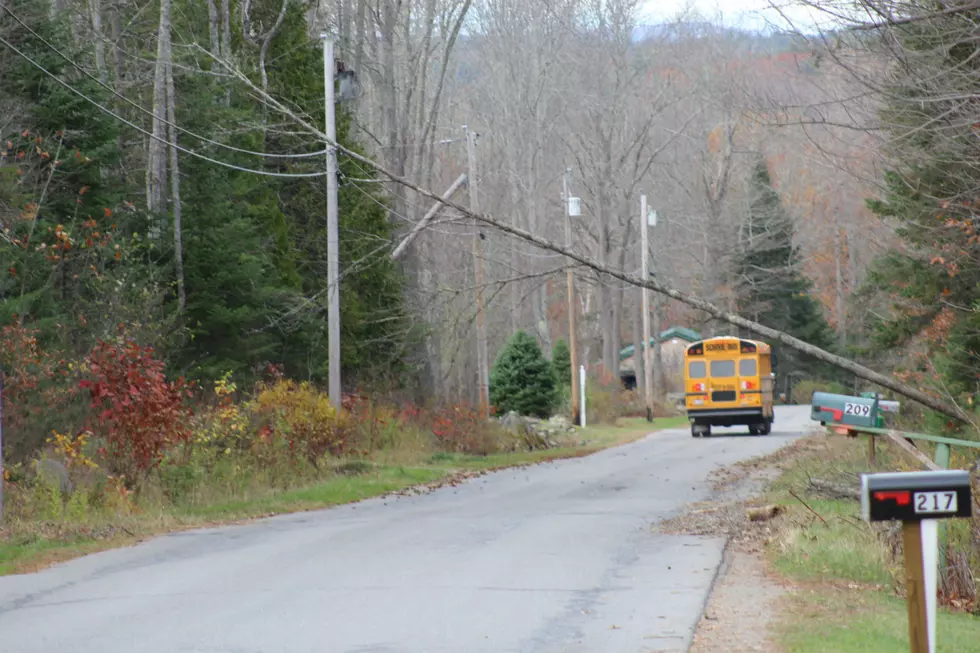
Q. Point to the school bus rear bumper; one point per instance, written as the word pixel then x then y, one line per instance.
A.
pixel 725 412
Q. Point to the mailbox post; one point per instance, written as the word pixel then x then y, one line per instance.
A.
pixel 918 500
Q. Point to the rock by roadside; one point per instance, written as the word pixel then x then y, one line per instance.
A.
pixel 533 434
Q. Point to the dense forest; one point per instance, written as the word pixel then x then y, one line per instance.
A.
pixel 158 187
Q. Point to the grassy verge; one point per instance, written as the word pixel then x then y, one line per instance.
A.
pixel 845 621
pixel 27 547
pixel 848 573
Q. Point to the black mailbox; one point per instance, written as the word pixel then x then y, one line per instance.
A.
pixel 914 496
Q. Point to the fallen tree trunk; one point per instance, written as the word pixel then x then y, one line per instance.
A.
pixel 858 370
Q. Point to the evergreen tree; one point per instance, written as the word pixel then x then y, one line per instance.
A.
pixel 254 247
pixel 73 265
pixel 928 286
pixel 561 363
pixel 375 331
pixel 522 379
pixel 770 285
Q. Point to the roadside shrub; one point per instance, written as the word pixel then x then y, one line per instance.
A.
pixel 178 479
pixel 397 431
pixel 139 412
pixel 802 392
pixel 605 399
pixel 523 380
pixel 459 428
pixel 37 391
pixel 223 426
pixel 633 404
pixel 305 419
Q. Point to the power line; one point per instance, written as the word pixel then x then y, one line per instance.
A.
pixel 143 109
pixel 265 173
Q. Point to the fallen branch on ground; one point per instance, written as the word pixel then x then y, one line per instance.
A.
pixel 832 490
pixel 807 506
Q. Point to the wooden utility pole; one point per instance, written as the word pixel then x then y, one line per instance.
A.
pixel 915 587
pixel 333 235
pixel 573 349
pixel 645 272
pixel 1 445
pixel 482 359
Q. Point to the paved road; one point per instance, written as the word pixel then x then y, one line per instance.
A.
pixel 555 558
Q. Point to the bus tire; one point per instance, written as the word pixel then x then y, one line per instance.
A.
pixel 767 427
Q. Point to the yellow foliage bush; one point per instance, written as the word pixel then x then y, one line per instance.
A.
pixel 225 426
pixel 73 449
pixel 304 417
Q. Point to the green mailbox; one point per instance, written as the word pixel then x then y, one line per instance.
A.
pixel 843 409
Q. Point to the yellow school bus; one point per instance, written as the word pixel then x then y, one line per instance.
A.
pixel 728 381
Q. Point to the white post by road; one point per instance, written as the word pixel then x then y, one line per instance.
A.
pixel 333 239
pixel 581 377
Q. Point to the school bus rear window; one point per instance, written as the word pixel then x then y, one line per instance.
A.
pixel 722 369
pixel 747 367
pixel 697 370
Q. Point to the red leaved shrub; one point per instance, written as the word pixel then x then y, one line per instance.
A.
pixel 140 414
pixel 36 391
pixel 460 429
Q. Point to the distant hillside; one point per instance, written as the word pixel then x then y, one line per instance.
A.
pixel 748 40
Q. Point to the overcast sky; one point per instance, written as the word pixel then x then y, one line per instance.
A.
pixel 749 14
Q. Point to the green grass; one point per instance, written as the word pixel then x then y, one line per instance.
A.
pixel 332 492
pixel 842 549
pixel 847 576
pixel 28 548
pixel 851 622
pixel 838 545
pixel 590 440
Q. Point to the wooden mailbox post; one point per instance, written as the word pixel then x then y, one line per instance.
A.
pixel 918 500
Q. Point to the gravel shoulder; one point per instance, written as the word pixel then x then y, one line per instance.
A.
pixel 744 606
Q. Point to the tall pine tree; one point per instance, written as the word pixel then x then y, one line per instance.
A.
pixel 771 287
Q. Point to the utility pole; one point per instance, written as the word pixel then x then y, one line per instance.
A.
pixel 333 239
pixel 482 360
pixel 645 273
pixel 1 445
pixel 573 349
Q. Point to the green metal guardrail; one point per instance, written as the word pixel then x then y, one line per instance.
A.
pixel 941 457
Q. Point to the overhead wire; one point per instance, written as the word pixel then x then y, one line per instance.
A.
pixel 265 173
pixel 81 69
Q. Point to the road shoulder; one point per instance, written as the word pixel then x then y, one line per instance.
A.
pixel 804 572
pixel 742 611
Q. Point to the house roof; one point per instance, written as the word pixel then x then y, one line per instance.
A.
pixel 681 333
